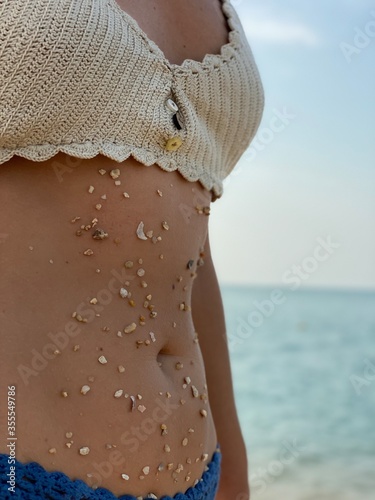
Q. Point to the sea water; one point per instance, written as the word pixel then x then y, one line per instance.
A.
pixel 303 366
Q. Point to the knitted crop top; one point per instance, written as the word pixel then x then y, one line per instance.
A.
pixel 81 77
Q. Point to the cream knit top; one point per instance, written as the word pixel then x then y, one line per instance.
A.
pixel 81 77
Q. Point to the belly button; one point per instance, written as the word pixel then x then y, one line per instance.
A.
pixel 164 351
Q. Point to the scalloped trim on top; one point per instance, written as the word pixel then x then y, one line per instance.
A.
pixel 209 61
pixel 116 152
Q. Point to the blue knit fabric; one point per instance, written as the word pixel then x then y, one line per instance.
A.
pixel 33 482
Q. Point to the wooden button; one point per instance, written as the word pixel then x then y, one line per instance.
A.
pixel 173 143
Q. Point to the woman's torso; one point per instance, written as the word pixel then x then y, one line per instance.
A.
pixel 49 273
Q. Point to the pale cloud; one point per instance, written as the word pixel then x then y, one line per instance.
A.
pixel 275 31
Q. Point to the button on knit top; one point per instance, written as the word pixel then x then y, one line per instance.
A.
pixel 81 77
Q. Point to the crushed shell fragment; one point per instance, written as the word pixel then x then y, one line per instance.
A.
pixel 115 173
pixel 130 328
pixel 140 233
pixel 194 390
pixel 99 234
pixel 133 402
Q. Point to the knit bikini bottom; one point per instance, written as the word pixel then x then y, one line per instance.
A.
pixel 33 482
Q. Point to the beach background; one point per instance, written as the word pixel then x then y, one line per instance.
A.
pixel 293 243
pixel 304 378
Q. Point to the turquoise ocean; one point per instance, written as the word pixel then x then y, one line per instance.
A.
pixel 303 365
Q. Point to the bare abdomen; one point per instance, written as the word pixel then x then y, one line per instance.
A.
pixel 96 322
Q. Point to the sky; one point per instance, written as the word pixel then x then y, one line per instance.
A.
pixel 300 203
